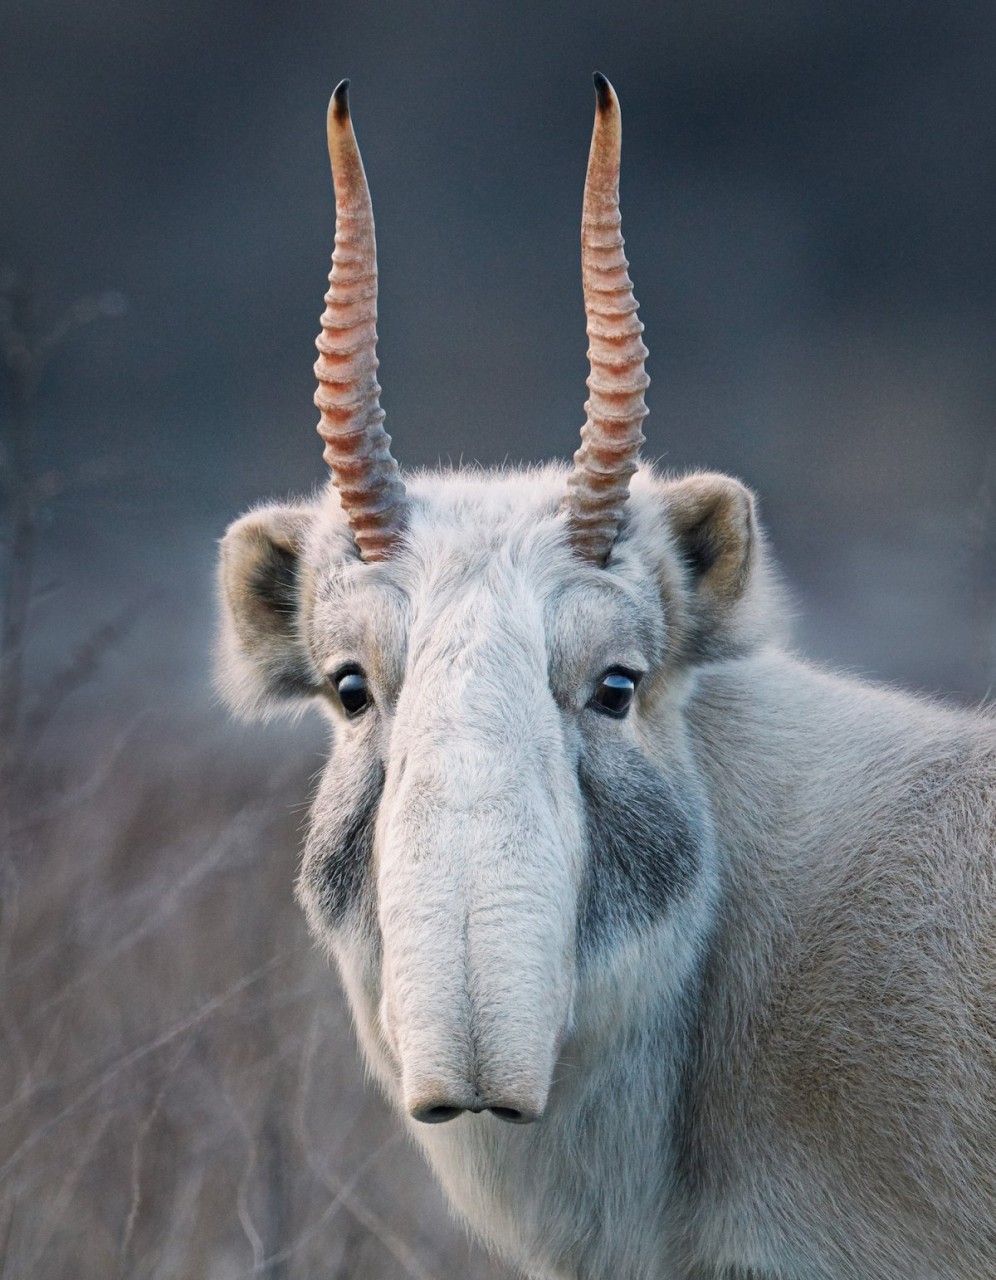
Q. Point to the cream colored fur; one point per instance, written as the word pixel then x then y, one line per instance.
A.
pixel 787 1074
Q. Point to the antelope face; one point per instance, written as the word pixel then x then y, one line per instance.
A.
pixel 500 811
pixel 509 795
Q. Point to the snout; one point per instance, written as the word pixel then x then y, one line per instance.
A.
pixel 478 859
pixel 471 1034
pixel 450 1064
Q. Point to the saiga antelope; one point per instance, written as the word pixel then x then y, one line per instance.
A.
pixel 598 856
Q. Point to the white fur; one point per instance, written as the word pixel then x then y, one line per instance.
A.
pixel 791 1073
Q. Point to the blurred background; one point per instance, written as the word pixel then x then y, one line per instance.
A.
pixel 809 194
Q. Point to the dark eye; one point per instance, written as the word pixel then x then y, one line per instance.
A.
pixel 353 690
pixel 614 693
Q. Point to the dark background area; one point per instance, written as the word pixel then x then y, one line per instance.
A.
pixel 808 197
pixel 808 192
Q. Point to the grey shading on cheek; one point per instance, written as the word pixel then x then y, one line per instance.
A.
pixel 643 849
pixel 339 849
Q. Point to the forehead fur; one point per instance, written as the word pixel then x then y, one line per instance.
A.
pixel 503 534
pixel 477 512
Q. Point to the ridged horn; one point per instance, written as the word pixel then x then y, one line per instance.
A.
pixel 357 448
pixel 611 437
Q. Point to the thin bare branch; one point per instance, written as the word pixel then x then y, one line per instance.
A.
pixel 75 798
pixel 81 1156
pixel 340 1200
pixel 344 1194
pixel 242 1208
pixel 129 1060
pixel 136 1155
pixel 181 1226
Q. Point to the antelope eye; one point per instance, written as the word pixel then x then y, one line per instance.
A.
pixel 614 694
pixel 353 690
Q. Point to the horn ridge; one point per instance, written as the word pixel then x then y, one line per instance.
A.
pixel 357 448
pixel 611 437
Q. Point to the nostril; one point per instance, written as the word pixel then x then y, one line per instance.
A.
pixel 512 1115
pixel 437 1114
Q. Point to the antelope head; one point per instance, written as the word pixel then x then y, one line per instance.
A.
pixel 504 658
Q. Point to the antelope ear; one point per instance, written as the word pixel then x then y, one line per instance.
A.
pixel 714 532
pixel 262 657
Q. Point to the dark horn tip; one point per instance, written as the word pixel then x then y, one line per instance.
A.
pixel 604 94
pixel 340 102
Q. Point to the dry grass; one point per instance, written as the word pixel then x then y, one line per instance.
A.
pixel 180 1092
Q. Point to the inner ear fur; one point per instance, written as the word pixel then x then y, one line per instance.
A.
pixel 262 656
pixel 714 533
pixel 712 523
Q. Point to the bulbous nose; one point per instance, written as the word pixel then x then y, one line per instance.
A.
pixel 439 1110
